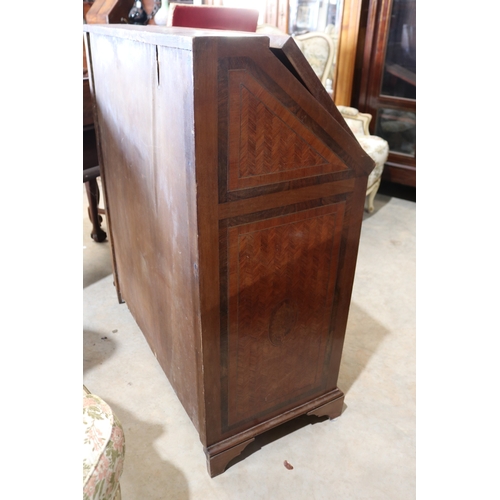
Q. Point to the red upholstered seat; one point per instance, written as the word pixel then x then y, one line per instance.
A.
pixel 214 17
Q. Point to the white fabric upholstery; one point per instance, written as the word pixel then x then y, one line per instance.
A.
pixel 376 147
pixel 319 50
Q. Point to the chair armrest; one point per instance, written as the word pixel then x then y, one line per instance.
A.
pixel 358 122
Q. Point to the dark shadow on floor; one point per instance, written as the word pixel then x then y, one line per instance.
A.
pixel 96 256
pixel 145 474
pixel 386 192
pixel 276 433
pixel 378 203
pixel 398 191
pixel 96 261
pixel 97 348
pixel 363 336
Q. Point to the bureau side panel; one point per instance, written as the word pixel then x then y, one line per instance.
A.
pixel 280 202
pixel 145 113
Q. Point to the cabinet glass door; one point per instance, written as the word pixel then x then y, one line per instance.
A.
pixel 396 126
pixel 399 77
pixel 388 83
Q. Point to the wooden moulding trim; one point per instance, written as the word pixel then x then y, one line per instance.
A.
pixel 217 463
pixel 367 51
pixel 400 174
pixel 333 407
pixel 307 408
pixel 205 108
pixel 266 202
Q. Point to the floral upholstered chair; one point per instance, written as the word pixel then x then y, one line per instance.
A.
pixel 376 147
pixel 103 450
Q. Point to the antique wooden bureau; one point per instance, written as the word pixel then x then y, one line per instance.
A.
pixel 234 198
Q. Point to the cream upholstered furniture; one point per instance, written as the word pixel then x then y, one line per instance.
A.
pixel 376 147
pixel 319 50
pixel 334 33
pixel 103 449
pixel 269 29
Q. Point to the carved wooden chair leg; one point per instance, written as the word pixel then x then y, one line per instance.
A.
pixel 97 233
pixel 371 197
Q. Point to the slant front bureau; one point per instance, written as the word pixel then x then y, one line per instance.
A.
pixel 234 198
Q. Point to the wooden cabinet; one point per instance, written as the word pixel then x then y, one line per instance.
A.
pixel 387 82
pixel 234 194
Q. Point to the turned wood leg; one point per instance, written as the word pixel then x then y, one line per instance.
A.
pixel 97 233
pixel 369 202
pixel 216 464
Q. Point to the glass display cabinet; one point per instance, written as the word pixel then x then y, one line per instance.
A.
pixel 387 87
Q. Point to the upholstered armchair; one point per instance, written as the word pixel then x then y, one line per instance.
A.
pixel 103 449
pixel 269 29
pixel 319 50
pixel 376 147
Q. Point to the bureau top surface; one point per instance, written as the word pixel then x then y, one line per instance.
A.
pixel 278 60
pixel 176 36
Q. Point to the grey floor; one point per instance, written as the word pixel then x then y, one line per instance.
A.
pixel 367 453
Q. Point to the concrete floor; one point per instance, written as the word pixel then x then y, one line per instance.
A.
pixel 367 453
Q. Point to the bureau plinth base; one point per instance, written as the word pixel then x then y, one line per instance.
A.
pixel 332 410
pixel 219 455
pixel 216 464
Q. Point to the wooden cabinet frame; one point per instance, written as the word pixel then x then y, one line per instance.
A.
pixel 348 47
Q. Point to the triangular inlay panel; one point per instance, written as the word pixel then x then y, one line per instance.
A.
pixel 267 141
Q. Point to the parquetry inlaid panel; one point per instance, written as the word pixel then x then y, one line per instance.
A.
pixel 282 274
pixel 267 143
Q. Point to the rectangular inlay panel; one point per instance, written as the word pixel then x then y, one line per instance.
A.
pixel 281 281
